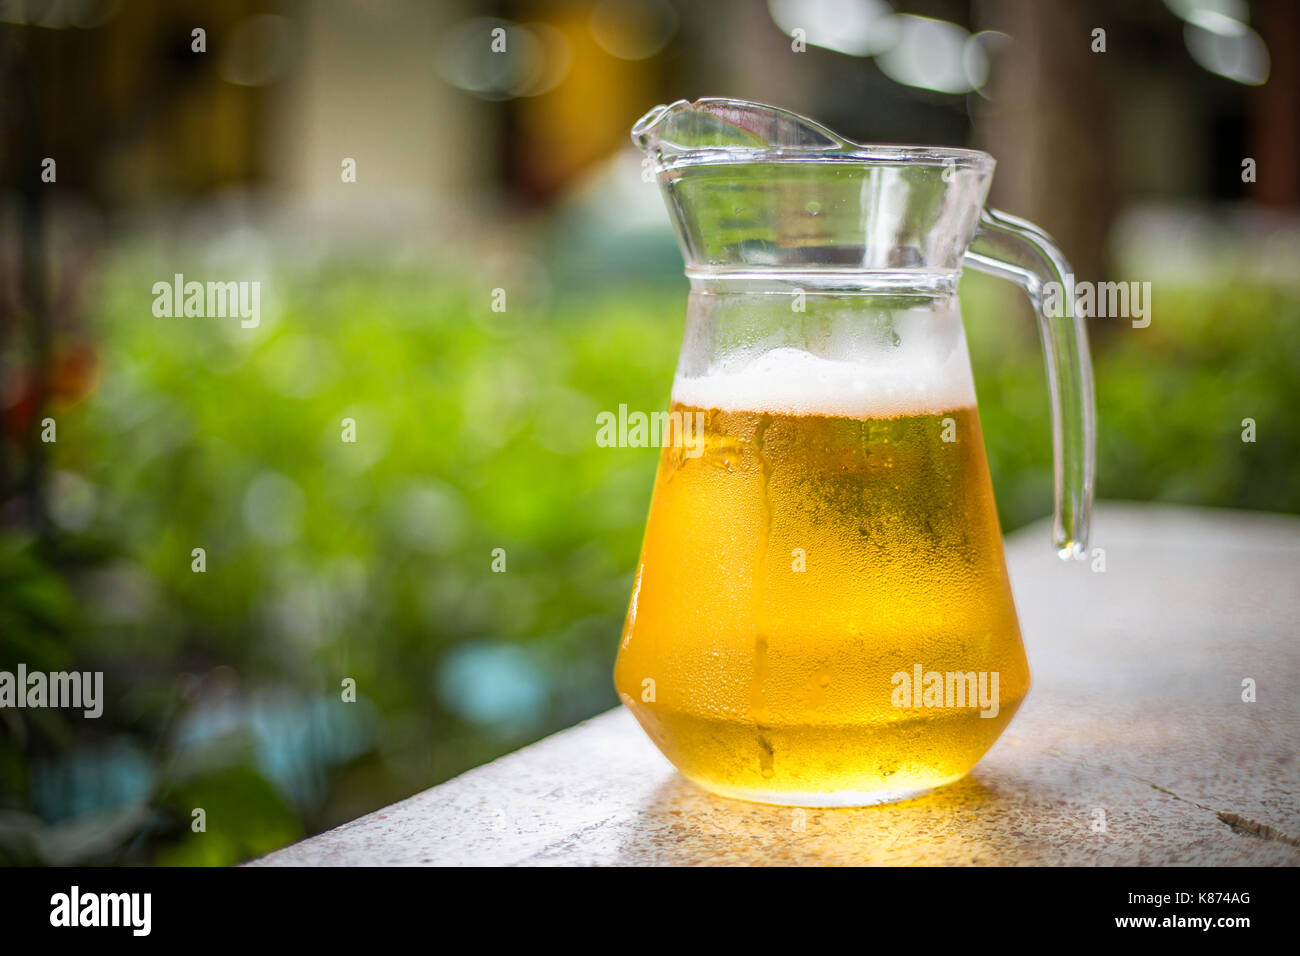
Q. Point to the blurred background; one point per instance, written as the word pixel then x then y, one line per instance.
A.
pixel 225 155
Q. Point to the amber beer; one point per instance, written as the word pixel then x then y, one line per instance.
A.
pixel 790 574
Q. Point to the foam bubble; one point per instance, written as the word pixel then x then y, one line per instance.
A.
pixel 791 381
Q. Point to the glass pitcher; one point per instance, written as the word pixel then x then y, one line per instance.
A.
pixel 821 615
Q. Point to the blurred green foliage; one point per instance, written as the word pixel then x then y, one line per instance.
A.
pixel 330 560
pixel 1172 399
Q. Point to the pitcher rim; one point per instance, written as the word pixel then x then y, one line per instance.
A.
pixel 839 149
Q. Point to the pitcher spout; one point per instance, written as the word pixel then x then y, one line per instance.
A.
pixel 714 123
pixel 754 187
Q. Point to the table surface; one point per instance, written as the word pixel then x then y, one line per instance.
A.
pixel 1134 746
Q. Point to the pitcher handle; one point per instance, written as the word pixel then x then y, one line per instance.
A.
pixel 1013 249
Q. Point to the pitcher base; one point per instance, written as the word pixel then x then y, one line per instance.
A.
pixel 843 798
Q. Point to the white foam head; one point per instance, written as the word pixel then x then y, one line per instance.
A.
pixel 791 381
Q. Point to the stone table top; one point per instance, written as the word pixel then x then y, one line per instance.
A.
pixel 1134 746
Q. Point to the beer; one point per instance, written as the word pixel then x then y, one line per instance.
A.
pixel 818 549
